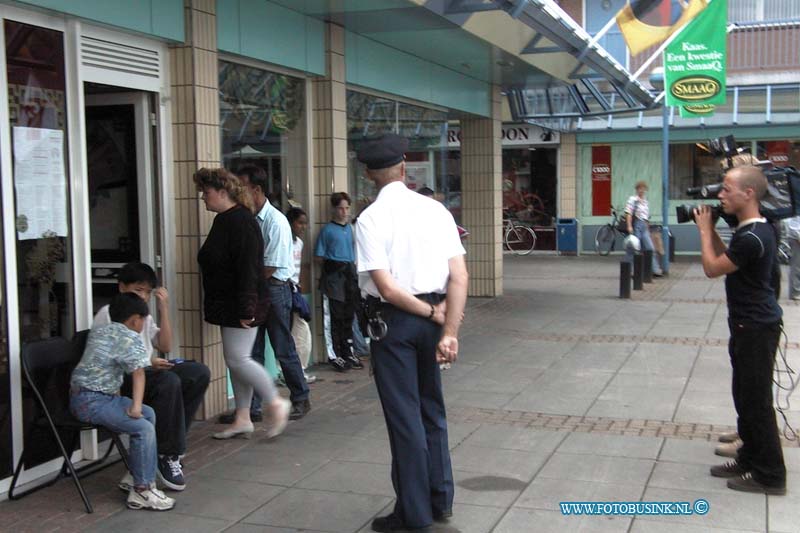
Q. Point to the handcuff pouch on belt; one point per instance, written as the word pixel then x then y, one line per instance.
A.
pixel 370 318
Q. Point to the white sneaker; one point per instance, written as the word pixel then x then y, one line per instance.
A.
pixel 310 378
pixel 126 483
pixel 151 499
pixel 279 419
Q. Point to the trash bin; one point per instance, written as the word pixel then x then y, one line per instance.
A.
pixel 567 236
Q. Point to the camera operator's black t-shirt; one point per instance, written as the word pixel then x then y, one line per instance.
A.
pixel 751 290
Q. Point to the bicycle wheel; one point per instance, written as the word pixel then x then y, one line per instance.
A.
pixel 604 239
pixel 521 240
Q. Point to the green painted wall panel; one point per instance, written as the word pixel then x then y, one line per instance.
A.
pixel 765 132
pixel 228 31
pixel 161 18
pixel 451 89
pixel 167 19
pixel 315 46
pixel 377 66
pixel 269 32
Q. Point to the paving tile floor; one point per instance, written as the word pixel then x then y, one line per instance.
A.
pixel 562 393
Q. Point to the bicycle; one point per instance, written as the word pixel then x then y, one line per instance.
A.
pixel 518 238
pixel 606 237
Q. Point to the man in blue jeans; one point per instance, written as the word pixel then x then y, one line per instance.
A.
pixel 278 269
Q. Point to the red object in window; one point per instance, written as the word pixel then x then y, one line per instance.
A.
pixel 601 180
pixel 778 152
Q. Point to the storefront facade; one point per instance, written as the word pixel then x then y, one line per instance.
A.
pixel 84 142
pixel 112 107
pixel 610 164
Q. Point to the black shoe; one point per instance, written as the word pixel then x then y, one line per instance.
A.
pixel 729 469
pixel 339 364
pixel 170 473
pixel 354 361
pixel 442 516
pixel 299 410
pixel 746 483
pixel 391 523
pixel 229 418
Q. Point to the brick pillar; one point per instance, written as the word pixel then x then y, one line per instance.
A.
pixel 568 176
pixel 196 143
pixel 329 138
pixel 482 200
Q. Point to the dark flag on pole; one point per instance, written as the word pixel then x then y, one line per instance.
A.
pixel 647 23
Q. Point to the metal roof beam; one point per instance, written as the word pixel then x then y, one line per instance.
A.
pixel 589 84
pixel 457 7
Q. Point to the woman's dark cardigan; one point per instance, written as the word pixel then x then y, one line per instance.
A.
pixel 231 265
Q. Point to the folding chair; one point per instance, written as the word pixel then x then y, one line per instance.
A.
pixel 47 366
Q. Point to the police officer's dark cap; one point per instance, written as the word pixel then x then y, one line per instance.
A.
pixel 383 152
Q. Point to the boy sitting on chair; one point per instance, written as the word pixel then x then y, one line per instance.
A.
pixel 174 388
pixel 111 352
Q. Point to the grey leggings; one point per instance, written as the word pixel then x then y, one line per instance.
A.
pixel 246 374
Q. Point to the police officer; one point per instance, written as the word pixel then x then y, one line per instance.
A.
pixel 754 320
pixel 410 257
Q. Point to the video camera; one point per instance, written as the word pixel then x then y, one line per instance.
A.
pixel 782 199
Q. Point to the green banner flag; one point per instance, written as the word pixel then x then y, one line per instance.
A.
pixel 695 61
pixel 697 110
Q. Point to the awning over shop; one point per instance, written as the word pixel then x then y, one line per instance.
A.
pixel 585 80
pixel 548 66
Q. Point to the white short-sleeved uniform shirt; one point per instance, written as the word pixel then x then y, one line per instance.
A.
pixel 148 334
pixel 409 235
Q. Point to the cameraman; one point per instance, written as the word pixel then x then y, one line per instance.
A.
pixel 754 319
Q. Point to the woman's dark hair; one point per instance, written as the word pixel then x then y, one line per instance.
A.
pixel 294 213
pixel 219 179
pixel 337 197
pixel 126 304
pixel 138 273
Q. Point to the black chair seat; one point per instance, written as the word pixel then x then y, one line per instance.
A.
pixel 47 366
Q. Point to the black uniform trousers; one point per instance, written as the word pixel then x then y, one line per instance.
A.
pixel 410 388
pixel 752 349
pixel 174 395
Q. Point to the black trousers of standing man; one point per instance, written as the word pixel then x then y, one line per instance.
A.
pixel 752 349
pixel 410 388
pixel 175 395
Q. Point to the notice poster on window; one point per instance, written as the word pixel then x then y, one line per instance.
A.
pixel 40 183
pixel 419 174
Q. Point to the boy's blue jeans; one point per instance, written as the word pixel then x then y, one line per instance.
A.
pixel 110 411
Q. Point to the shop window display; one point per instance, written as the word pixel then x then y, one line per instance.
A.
pixel 38 123
pixel 262 121
pixel 691 165
pixel 428 162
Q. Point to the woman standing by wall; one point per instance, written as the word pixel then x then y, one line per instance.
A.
pixel 235 295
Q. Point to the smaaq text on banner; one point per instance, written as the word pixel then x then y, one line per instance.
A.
pixel 695 62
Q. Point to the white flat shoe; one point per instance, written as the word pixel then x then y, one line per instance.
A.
pixel 232 433
pixel 279 420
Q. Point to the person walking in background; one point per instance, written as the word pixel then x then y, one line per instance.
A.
pixel 174 391
pixel 235 297
pixel 339 283
pixel 276 272
pixel 637 212
pixel 112 350
pixel 411 266
pixel 301 334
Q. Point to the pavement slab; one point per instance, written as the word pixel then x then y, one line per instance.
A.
pixel 562 393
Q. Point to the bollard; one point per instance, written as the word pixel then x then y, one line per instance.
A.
pixel 671 248
pixel 638 271
pixel 648 266
pixel 624 280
